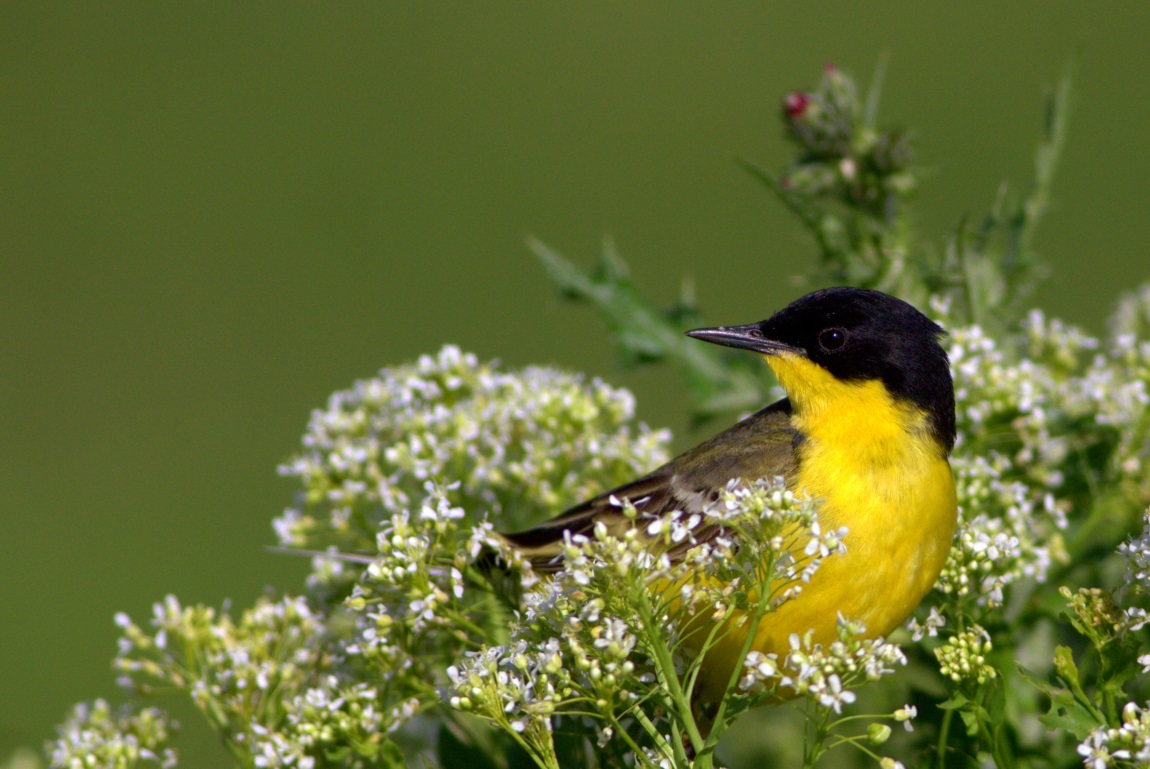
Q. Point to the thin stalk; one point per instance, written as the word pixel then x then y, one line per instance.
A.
pixel 813 748
pixel 756 618
pixel 1110 704
pixel 665 665
pixel 943 736
pixel 636 751
pixel 856 742
pixel 696 666
pixel 543 761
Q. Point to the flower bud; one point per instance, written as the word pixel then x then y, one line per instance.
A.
pixel 795 104
pixel 878 733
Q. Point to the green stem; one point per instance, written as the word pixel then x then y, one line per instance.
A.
pixel 943 736
pixel 696 665
pixel 636 751
pixel 756 618
pixel 545 761
pixel 1111 705
pixel 813 749
pixel 459 619
pixel 992 732
pixel 857 743
pixel 665 665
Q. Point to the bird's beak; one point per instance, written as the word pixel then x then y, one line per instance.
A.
pixel 749 337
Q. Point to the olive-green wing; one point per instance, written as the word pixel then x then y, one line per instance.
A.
pixel 763 445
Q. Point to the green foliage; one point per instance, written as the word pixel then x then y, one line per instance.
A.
pixel 1053 432
pixel 643 333
pixel 606 640
pixel 421 638
pixel 849 186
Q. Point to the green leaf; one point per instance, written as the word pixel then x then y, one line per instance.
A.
pixel 644 334
pixel 1074 719
pixel 956 702
pixel 996 700
pixel 1067 669
pixel 390 756
pixel 970 717
pixel 1067 712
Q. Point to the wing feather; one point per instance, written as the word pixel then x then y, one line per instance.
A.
pixel 764 445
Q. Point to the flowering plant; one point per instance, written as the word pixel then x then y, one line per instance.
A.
pixel 421 637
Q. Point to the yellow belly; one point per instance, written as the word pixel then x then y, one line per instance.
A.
pixel 879 474
pixel 897 542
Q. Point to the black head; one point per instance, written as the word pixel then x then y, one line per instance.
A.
pixel 859 334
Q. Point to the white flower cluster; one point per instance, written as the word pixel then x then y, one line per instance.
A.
pixel 415 569
pixel 1025 430
pixel 1004 532
pixel 229 665
pixel 1110 389
pixel 1127 745
pixel 407 466
pixel 1136 588
pixel 569 650
pixel 602 632
pixel 332 716
pixel 993 395
pixel 271 682
pixel 521 685
pixel 825 675
pixel 410 602
pixel 95 736
pixel 928 628
pixel 768 539
pixel 768 524
pixel 1067 391
pixel 519 444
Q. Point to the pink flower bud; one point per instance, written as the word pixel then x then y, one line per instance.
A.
pixel 796 103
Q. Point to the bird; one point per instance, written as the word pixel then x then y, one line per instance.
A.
pixel 866 428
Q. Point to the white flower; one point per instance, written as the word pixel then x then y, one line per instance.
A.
pixel 929 626
pixel 906 715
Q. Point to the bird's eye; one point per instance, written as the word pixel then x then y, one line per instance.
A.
pixel 832 339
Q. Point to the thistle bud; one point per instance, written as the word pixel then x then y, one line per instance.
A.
pixel 795 104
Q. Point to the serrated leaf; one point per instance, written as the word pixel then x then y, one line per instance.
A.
pixel 1034 680
pixel 1066 711
pixel 1075 720
pixel 644 333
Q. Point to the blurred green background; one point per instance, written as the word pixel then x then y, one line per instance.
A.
pixel 213 215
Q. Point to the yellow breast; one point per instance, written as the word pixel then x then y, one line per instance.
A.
pixel 878 471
